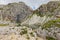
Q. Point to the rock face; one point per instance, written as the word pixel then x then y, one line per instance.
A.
pixel 49 8
pixel 17 12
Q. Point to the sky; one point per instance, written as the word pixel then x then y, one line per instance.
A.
pixel 34 4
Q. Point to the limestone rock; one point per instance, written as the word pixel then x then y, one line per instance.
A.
pixel 17 12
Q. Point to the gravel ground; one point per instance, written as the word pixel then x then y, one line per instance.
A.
pixel 13 33
pixel 16 37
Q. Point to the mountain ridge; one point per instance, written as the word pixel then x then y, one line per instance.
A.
pixel 13 11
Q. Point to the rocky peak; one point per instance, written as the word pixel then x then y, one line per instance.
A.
pixel 49 8
pixel 16 11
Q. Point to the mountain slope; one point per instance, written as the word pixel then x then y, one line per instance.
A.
pixel 17 12
pixel 48 9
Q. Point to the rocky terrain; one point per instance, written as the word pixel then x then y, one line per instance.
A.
pixel 49 9
pixel 46 21
pixel 16 12
pixel 19 22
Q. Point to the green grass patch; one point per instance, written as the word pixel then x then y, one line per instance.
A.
pixel 1 8
pixel 50 38
pixel 51 23
pixel 4 24
pixel 32 34
pixel 24 31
